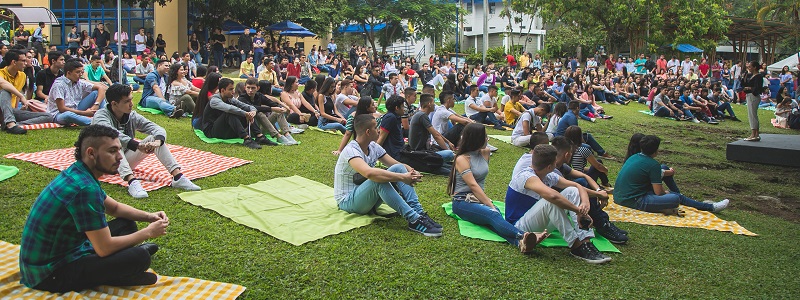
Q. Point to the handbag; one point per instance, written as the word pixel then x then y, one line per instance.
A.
pixel 423 161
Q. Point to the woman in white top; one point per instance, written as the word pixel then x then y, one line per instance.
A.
pixel 128 62
pixel 558 111
pixel 182 93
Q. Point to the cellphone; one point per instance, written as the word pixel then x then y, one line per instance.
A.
pixel 584 223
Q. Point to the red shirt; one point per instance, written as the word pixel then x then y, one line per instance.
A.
pixel 704 67
pixel 293 70
pixel 609 64
pixel 410 72
pixel 198 82
pixel 511 60
pixel 662 64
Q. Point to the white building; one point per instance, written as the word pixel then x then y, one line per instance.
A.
pixel 499 33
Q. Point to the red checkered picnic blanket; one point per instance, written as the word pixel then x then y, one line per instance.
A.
pixel 41 126
pixel 194 164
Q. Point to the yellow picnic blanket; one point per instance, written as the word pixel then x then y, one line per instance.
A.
pixel 692 218
pixel 166 287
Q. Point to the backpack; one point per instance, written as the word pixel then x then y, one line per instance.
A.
pixel 423 161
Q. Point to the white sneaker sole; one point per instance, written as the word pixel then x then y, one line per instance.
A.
pixel 428 234
pixel 591 261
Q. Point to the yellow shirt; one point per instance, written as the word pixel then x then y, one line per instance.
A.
pixel 523 61
pixel 247 67
pixel 510 117
pixel 18 81
pixel 270 76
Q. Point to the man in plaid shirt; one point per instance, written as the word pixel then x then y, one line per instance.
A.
pixel 67 245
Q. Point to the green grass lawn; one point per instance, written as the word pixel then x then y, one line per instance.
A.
pixel 385 260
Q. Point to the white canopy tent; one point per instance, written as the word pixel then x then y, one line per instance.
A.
pixel 33 15
pixel 791 61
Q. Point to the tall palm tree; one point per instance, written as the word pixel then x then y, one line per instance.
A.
pixel 780 10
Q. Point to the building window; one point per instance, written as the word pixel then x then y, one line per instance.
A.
pixel 86 14
pixel 491 8
pixel 469 7
pixel 467 28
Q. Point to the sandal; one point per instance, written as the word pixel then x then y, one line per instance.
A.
pixel 526 244
pixel 752 139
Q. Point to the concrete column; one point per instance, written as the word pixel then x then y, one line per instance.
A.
pixel 172 22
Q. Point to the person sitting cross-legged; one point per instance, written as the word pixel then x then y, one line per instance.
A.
pixel 74 100
pixel 360 187
pixel 67 244
pixel 95 72
pixel 529 122
pixel 421 132
pixel 476 110
pixel 532 205
pixel 226 117
pixel 639 184
pixel 446 121
pixel 12 80
pixel 119 114
pixel 467 183
pixel 269 112
pixel 155 90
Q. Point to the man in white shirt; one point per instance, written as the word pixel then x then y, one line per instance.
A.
pixel 474 108
pixel 686 65
pixel 673 64
pixel 444 115
pixel 360 187
pixel 141 42
pixel 736 74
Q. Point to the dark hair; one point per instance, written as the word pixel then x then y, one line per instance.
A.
pixel 213 69
pixel 173 72
pixel 492 87
pixel 444 96
pixel 394 102
pixel 289 84
pixel 54 56
pixel 409 91
pixel 116 91
pixel 562 144
pixel 96 57
pixel 224 83
pixel 211 83
pixel 425 99
pixel 633 145
pixel 201 71
pixel 310 85
pixel 90 136
pixel 328 86
pixel 543 156
pixel 320 79
pixel 472 88
pixel 363 105
pixel 160 62
pixel 362 122
pixel 559 109
pixel 538 138
pixel 574 135
pixel 473 138
pixel 72 64
pixel 649 144
pixel 239 89
pixel 11 55
pixel 574 104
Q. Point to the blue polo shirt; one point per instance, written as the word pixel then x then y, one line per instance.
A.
pixel 566 121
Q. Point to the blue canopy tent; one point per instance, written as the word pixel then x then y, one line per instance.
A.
pixel 233 27
pixel 357 28
pixel 298 33
pixel 286 25
pixel 687 48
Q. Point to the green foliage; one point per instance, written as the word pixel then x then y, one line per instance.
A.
pixel 448 47
pixel 564 40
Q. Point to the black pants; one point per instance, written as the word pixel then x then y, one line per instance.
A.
pixel 454 134
pixel 125 268
pixel 229 126
pixel 295 118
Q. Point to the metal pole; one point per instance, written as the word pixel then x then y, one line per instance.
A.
pixel 119 44
pixel 458 33
pixel 485 29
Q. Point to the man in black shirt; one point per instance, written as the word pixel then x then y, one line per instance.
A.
pixel 217 41
pixel 101 36
pixel 353 55
pixel 425 74
pixel 46 77
pixel 246 45
pixel 21 36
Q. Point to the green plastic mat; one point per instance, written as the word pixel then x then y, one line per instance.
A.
pixel 153 111
pixel 7 172
pixel 292 209
pixel 474 231
pixel 650 113
pixel 199 133
pixel 503 138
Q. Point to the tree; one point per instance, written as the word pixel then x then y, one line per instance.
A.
pixel 780 10
pixel 514 10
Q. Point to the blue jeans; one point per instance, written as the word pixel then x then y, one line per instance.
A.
pixel 669 181
pixel 68 117
pixel 589 139
pixel 158 103
pixel 399 196
pixel 662 112
pixel 219 57
pixel 725 106
pixel 198 59
pixel 483 88
pixel 447 155
pixel 480 214
pixel 584 113
pixel 325 124
pixel 303 80
pixel 485 118
pixel 138 80
pixel 257 56
pixel 651 202
pixel 599 96
pixel 789 86
pixel 414 83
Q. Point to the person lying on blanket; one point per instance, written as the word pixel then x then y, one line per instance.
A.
pixel 225 117
pixel 360 188
pixel 119 114
pixel 12 80
pixel 470 202
pixel 67 245
pixel 568 211
pixel 598 198
pixel 639 184
pixel 74 100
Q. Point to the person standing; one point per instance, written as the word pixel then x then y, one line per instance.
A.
pixel 141 41
pixel 73 40
pixel 67 244
pixel 121 37
pixel 217 41
pixel 754 87
pixel 21 36
pixel 37 39
pixel 246 45
pixel 101 37
pixel 332 47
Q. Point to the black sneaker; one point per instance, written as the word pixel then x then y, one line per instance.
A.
pixel 612 235
pixel 499 127
pixel 735 119
pixel 618 229
pixel 16 130
pixel 423 226
pixel 588 253
pixel 425 215
pixel 177 113
pixel 249 143
pixel 263 140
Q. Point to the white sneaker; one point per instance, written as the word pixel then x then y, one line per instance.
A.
pixel 291 138
pixel 285 140
pixel 136 190
pixel 719 206
pixel 695 120
pixel 302 126
pixel 185 184
pixel 592 119
pixel 491 148
pixel 295 130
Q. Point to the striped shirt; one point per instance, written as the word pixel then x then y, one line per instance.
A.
pixel 580 157
pixel 343 173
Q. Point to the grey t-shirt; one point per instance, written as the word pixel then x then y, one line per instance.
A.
pixel 343 173
pixel 418 135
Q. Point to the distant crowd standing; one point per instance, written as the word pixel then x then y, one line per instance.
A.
pixel 387 109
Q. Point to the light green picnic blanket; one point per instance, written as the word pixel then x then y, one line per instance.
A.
pixel 650 113
pixel 199 133
pixel 292 209
pixel 475 231
pixel 154 111
pixel 333 132
pixel 7 172
pixel 503 138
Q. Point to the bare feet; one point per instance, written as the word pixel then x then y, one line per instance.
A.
pixel 530 240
